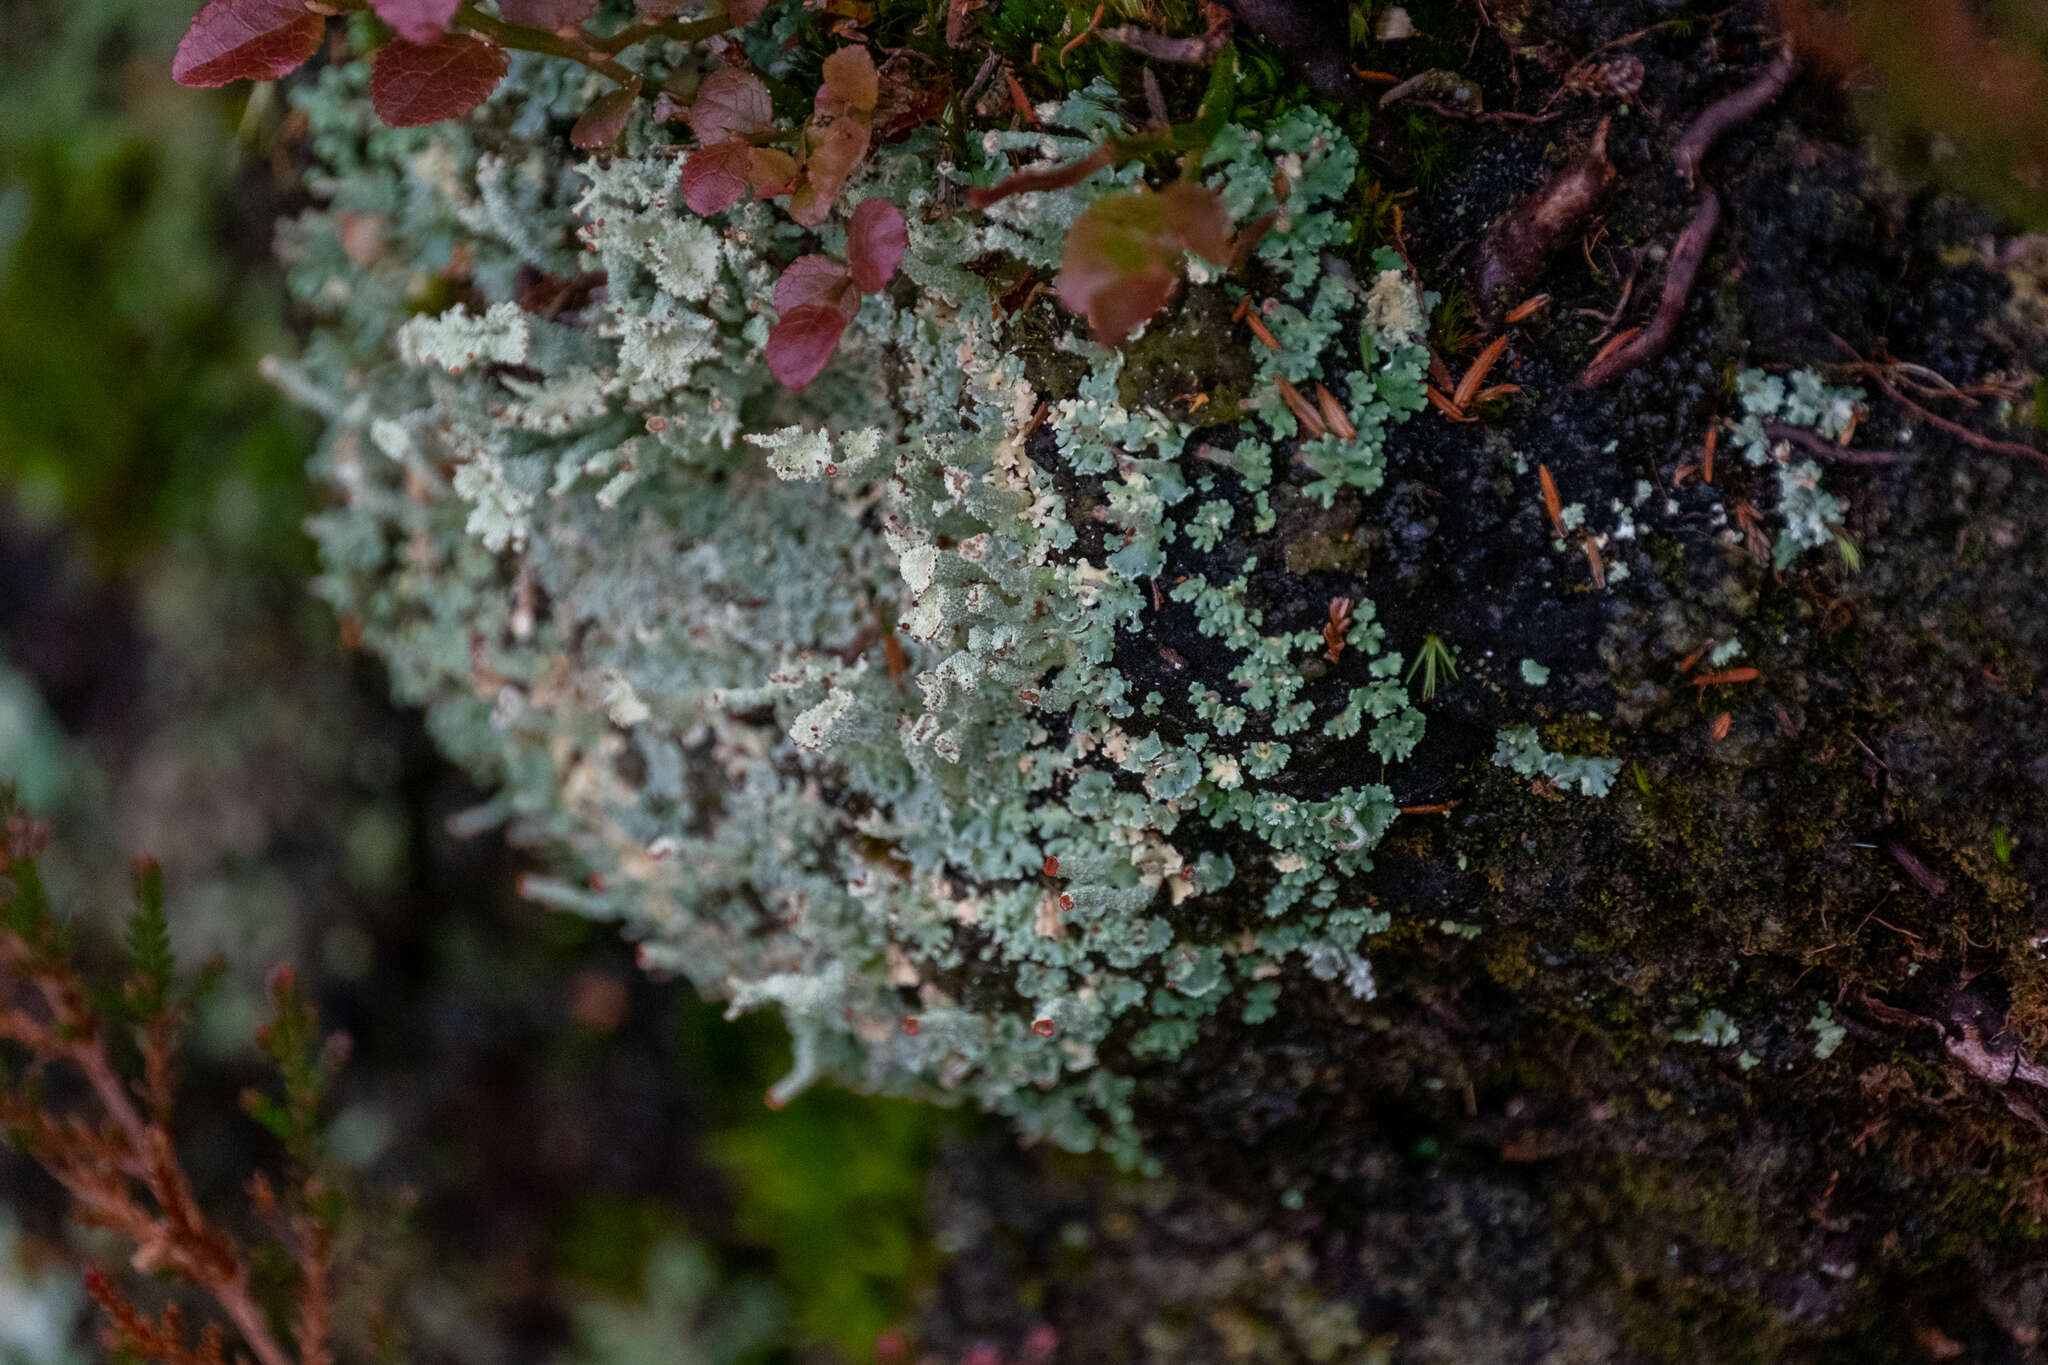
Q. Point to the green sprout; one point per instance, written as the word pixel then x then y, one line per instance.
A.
pixel 1434 657
pixel 2002 845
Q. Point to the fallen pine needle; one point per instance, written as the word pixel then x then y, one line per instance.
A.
pixel 1730 675
pixel 1552 504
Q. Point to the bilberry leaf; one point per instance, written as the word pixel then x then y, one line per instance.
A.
pixel 876 238
pixel 412 84
pixel 605 119
pixel 730 104
pixel 718 176
pixel 252 40
pixel 417 21
pixel 803 341
pixel 816 281
pixel 851 83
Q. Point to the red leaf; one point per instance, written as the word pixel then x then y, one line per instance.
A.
pixel 419 83
pixel 816 282
pixel 802 342
pixel 605 119
pixel 1199 219
pixel 717 177
pixel 547 14
pixel 774 172
pixel 1121 264
pixel 730 104
pixel 745 12
pixel 876 239
pixel 246 40
pixel 417 21
pixel 837 146
pixel 851 83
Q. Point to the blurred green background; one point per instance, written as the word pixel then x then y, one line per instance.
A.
pixel 596 1177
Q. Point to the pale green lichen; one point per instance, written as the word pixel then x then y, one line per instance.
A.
pixel 646 591
pixel 1809 513
pixel 1519 749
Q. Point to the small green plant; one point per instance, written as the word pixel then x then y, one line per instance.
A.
pixel 1433 660
pixel 2002 845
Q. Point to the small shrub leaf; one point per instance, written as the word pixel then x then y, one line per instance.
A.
pixel 1122 259
pixel 851 83
pixel 876 238
pixel 412 84
pixel 718 176
pixel 816 281
pixel 730 104
pixel 803 341
pixel 246 40
pixel 417 21
pixel 837 146
pixel 774 172
pixel 605 120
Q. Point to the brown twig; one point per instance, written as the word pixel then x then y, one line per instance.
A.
pixel 1955 429
pixel 1200 50
pixel 1828 450
pixel 1725 113
pixel 1679 272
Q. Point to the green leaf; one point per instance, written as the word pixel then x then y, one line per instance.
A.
pixel 149 944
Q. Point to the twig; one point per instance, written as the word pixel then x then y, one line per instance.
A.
pixel 1679 273
pixel 1828 450
pixel 1200 50
pixel 1725 113
pixel 1955 429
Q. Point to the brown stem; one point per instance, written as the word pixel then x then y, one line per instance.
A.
pixel 1679 273
pixel 1727 112
pixel 1827 450
pixel 1955 429
pixel 538 40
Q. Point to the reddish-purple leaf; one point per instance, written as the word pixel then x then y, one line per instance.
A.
pixel 816 282
pixel 1199 219
pixel 745 12
pixel 851 83
pixel 774 172
pixel 547 14
pixel 605 119
pixel 801 343
pixel 418 83
pixel 246 40
pixel 1121 264
pixel 717 177
pixel 876 239
pixel 730 104
pixel 417 21
pixel 837 146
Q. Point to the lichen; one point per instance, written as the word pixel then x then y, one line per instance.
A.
pixel 829 697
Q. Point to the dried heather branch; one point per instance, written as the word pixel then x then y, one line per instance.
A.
pixel 116 1157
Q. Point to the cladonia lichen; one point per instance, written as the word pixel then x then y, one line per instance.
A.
pixel 842 702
